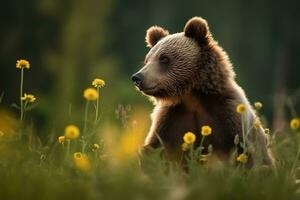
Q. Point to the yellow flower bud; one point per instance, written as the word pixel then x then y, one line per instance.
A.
pixel 72 132
pixel 189 138
pixel 257 123
pixel 258 105
pixel 90 94
pixel 22 64
pixel 241 108
pixel 184 146
pixel 267 131
pixel 206 130
pixel 95 147
pixel 61 139
pixel 81 161
pixel 242 158
pixel 295 123
pixel 28 98
pixel 98 83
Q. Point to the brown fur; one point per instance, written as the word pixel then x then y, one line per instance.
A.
pixel 196 88
pixel 197 28
pixel 154 34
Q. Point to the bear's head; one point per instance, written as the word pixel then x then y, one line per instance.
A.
pixel 178 63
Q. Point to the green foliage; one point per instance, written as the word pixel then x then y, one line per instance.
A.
pixel 31 170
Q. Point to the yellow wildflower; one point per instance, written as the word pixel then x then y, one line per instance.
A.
pixel 81 161
pixel 77 155
pixel 72 132
pixel 95 147
pixel 22 64
pixel 295 123
pixel 241 108
pixel 242 158
pixel 267 131
pixel 28 98
pixel 189 138
pixel 130 142
pixel 258 105
pixel 129 145
pixel 90 94
pixel 184 146
pixel 98 83
pixel 257 123
pixel 206 130
pixel 61 139
pixel 1 134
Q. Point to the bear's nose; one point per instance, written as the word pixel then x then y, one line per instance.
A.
pixel 137 79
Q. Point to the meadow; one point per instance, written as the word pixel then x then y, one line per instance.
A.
pixel 94 160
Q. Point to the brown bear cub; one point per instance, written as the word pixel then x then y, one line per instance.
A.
pixel 191 80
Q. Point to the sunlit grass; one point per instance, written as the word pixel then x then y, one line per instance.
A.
pixel 92 159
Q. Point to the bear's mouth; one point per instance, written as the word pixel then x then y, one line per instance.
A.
pixel 148 90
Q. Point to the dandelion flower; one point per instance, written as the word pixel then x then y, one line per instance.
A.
pixel 242 158
pixel 295 123
pixel 267 131
pixel 61 139
pixel 95 147
pixel 258 105
pixel 72 132
pixel 98 83
pixel 189 138
pixel 184 146
pixel 81 161
pixel 28 98
pixel 1 134
pixel 241 108
pixel 90 94
pixel 206 130
pixel 22 64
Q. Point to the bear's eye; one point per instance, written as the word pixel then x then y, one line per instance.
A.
pixel 163 59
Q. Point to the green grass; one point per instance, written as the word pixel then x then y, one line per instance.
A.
pixel 37 166
pixel 32 170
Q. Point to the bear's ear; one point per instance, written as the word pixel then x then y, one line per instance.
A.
pixel 197 29
pixel 154 34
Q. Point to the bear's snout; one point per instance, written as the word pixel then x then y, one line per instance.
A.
pixel 137 79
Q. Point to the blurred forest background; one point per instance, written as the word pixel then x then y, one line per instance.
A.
pixel 71 42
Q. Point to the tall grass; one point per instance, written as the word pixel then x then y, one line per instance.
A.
pixel 90 161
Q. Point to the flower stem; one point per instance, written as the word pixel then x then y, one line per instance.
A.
pixel 181 157
pixel 86 116
pixel 68 148
pixel 192 153
pixel 97 107
pixel 201 144
pixel 83 146
pixel 295 161
pixel 21 94
pixel 243 131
